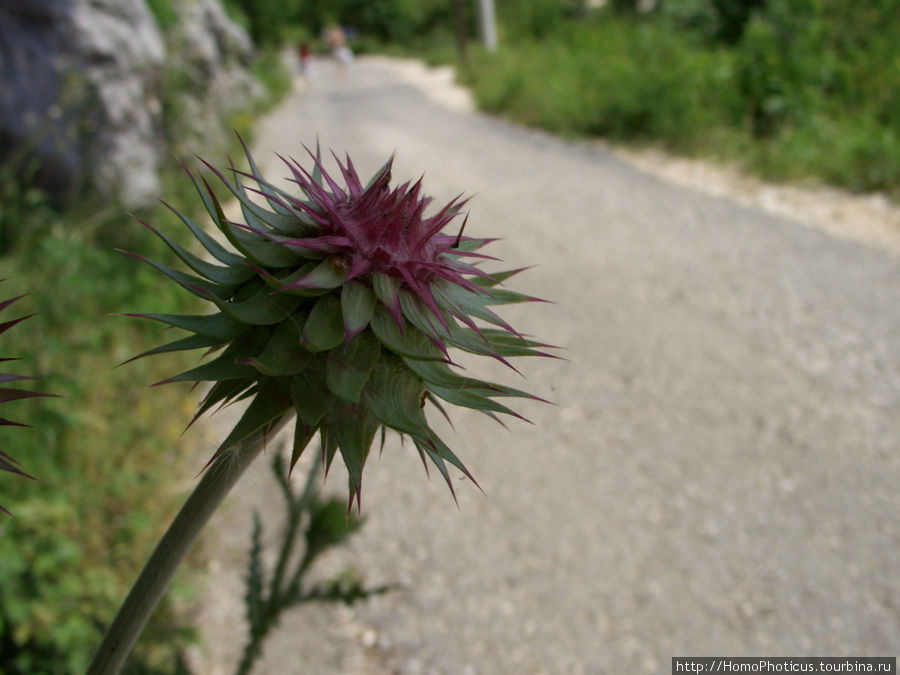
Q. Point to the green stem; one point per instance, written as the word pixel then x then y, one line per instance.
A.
pixel 151 585
pixel 277 601
pixel 297 506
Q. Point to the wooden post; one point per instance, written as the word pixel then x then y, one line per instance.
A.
pixel 462 32
pixel 487 21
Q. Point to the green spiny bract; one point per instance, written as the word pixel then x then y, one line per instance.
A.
pixel 340 305
pixel 7 463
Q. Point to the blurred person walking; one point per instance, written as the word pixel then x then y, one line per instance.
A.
pixel 307 64
pixel 343 55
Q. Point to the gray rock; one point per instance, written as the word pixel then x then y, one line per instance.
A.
pixel 82 84
pixel 80 87
pixel 209 55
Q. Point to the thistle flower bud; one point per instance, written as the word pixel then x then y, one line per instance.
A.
pixel 340 306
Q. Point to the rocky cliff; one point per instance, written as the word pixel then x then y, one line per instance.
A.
pixel 209 55
pixel 86 89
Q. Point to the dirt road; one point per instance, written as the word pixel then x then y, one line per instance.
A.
pixel 719 475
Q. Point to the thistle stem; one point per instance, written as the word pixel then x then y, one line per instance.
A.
pixel 171 550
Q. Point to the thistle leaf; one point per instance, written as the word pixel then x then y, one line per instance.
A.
pixel 222 393
pixel 324 328
pixel 303 433
pixel 259 252
pixel 255 169
pixel 504 296
pixel 270 404
pixel 263 309
pixel 6 325
pixel 462 303
pixel 410 342
pixel 469 399
pixel 354 429
pixel 196 285
pixel 322 276
pixel 394 396
pixel 8 377
pixel 348 369
pixel 230 364
pixel 470 244
pixel 387 290
pixel 440 375
pixel 495 278
pixel 281 218
pixel 225 367
pixel 357 306
pixel 216 250
pixel 7 463
pixel 190 342
pixel 6 303
pixel 437 460
pixel 283 355
pixel 444 452
pixel 7 394
pixel 506 344
pixel 232 275
pixel 285 284
pixel 309 393
pixel 217 326
pixel 329 447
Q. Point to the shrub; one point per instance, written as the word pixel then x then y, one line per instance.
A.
pixel 533 18
pixel 857 152
pixel 808 91
pixel 618 79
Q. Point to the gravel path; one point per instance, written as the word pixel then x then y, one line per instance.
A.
pixel 718 477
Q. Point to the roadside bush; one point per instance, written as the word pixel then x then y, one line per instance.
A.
pixel 815 78
pixel 732 16
pixel 617 79
pixel 808 90
pixel 400 21
pixel 496 79
pixel 693 16
pixel 649 82
pixel 856 152
pixel 533 18
pixel 766 80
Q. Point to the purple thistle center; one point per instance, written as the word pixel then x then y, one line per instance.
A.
pixel 381 229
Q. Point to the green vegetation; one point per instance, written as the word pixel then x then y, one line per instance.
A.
pixel 107 457
pixel 614 79
pixel 401 22
pixel 792 88
pixel 110 463
pixel 315 524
